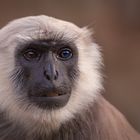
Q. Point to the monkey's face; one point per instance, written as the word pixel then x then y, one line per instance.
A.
pixel 48 70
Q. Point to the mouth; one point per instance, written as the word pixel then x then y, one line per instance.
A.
pixel 50 100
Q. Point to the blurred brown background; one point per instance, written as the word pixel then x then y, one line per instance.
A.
pixel 116 26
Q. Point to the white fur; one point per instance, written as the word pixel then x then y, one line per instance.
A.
pixel 88 85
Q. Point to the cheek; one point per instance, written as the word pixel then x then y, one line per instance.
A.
pixel 26 73
pixel 34 77
pixel 73 72
pixel 31 71
pixel 22 76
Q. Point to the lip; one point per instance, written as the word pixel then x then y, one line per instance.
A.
pixel 50 101
pixel 47 98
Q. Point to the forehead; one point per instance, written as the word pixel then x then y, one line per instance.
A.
pixel 40 27
pixel 28 29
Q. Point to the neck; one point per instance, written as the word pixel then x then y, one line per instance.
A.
pixel 100 122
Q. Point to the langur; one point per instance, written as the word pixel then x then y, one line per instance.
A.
pixel 51 84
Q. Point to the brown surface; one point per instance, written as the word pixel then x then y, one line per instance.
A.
pixel 117 30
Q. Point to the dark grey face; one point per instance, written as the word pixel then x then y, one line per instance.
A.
pixel 46 70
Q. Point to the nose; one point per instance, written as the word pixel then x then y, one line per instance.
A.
pixel 50 72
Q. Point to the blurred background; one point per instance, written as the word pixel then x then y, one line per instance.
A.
pixel 116 25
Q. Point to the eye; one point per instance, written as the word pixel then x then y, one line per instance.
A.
pixel 65 54
pixel 31 54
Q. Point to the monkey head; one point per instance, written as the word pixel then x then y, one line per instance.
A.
pixel 49 71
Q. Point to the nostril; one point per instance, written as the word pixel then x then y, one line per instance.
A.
pixel 51 76
pixel 56 75
pixel 48 77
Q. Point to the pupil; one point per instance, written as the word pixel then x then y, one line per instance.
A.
pixel 65 54
pixel 32 54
